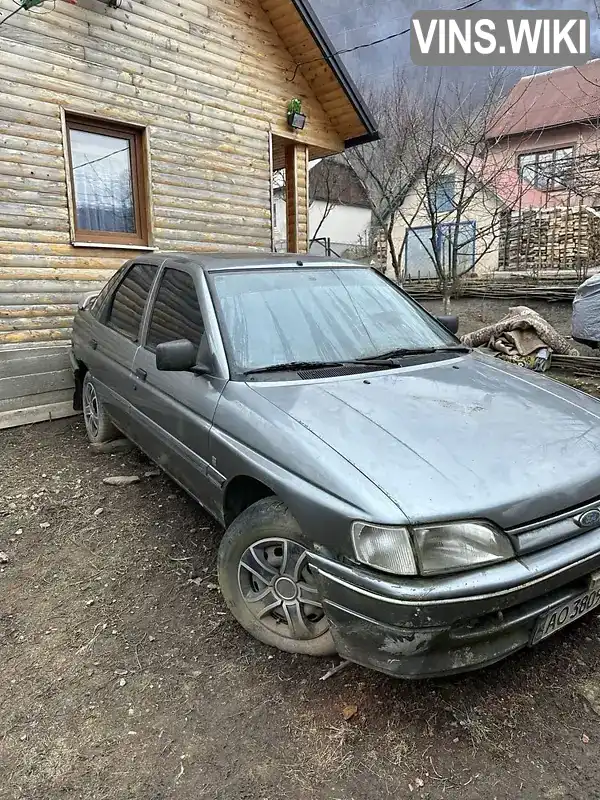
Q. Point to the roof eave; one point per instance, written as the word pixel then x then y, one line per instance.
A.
pixel 541 128
pixel 355 141
pixel 325 45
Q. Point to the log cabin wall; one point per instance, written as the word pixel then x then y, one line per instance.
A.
pixel 207 83
pixel 296 189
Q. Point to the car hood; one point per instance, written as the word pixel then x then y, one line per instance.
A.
pixel 469 437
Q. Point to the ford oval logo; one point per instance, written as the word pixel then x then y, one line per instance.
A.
pixel 589 519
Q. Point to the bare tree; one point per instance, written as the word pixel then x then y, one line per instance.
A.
pixel 327 185
pixel 387 167
pixel 457 181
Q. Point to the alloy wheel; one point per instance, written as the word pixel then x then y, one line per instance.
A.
pixel 91 414
pixel 279 589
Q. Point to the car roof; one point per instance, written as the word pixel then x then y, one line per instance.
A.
pixel 217 261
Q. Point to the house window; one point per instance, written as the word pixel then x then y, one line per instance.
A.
pixel 422 250
pixel 547 170
pixel 443 197
pixel 107 182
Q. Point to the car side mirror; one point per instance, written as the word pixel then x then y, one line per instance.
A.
pixel 450 323
pixel 178 356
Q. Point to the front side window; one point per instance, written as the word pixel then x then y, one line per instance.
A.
pixel 274 316
pixel 547 170
pixel 107 182
pixel 127 305
pixel 176 312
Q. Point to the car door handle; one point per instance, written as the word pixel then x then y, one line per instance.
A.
pixel 93 344
pixel 141 373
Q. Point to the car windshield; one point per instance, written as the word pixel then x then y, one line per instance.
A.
pixel 285 315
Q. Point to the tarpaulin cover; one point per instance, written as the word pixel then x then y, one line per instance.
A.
pixel 586 310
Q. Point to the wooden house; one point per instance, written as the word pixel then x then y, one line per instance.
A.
pixel 131 126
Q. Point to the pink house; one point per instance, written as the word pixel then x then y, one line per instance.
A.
pixel 548 128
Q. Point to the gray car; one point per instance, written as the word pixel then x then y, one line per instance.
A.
pixel 387 494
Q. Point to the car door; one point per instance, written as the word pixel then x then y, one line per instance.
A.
pixel 177 407
pixel 114 339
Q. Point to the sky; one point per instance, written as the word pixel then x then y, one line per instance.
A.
pixel 352 22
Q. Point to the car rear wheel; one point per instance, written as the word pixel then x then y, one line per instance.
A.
pixel 98 426
pixel 268 584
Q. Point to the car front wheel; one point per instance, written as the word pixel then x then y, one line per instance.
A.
pixel 268 583
pixel 98 425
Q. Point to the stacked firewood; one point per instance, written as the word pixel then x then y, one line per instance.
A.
pixel 560 238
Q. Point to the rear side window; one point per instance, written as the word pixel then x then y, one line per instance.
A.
pixel 106 291
pixel 176 312
pixel 128 301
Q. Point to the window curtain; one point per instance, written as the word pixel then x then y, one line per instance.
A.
pixel 102 182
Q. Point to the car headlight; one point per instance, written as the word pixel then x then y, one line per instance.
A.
pixel 430 549
pixel 385 548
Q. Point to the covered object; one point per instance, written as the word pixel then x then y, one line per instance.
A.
pixel 586 312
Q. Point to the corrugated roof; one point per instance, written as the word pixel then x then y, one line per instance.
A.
pixel 558 97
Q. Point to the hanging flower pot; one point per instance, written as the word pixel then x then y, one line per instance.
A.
pixel 295 118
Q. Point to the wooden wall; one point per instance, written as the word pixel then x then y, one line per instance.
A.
pixel 208 80
pixel 296 188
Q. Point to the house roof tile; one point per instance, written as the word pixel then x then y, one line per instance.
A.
pixel 558 97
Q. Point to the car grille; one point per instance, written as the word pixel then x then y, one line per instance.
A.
pixel 335 372
pixel 551 530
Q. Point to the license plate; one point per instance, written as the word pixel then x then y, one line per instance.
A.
pixel 563 615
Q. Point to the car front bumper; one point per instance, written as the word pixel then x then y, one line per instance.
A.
pixel 418 628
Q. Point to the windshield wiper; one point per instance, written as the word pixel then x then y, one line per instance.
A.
pixel 383 360
pixel 294 366
pixel 400 352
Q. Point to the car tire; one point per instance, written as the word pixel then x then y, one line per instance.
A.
pixel 98 425
pixel 267 582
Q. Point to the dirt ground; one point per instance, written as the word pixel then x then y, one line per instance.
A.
pixel 123 677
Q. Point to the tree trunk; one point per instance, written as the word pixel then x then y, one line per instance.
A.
pixel 446 293
pixel 447 301
pixel 392 246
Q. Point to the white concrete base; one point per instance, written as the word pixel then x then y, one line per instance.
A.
pixel 44 413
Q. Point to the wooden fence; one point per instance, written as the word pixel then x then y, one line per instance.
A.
pixel 559 238
pixel 501 287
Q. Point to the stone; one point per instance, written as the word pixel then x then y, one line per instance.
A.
pixel 116 446
pixel 590 690
pixel 121 480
